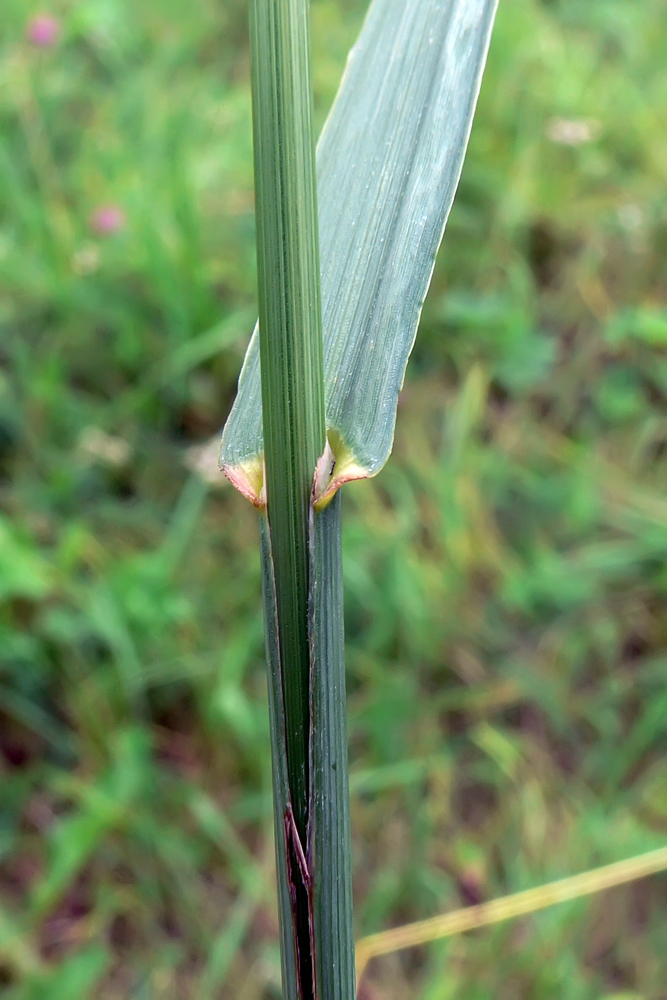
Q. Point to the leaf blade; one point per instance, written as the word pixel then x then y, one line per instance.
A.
pixel 389 160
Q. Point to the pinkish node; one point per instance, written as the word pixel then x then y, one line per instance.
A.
pixel 43 31
pixel 107 220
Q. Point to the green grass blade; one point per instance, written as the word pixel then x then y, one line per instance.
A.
pixel 389 160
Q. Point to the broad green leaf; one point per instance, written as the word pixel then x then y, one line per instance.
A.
pixel 389 160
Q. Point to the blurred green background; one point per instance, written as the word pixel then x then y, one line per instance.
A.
pixel 506 574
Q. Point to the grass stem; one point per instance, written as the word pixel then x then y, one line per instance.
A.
pixel 290 341
pixel 300 548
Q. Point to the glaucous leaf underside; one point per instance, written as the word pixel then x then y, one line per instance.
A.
pixel 388 163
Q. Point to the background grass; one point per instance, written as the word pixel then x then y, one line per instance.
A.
pixel 506 574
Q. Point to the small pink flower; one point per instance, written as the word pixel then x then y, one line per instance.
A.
pixel 43 30
pixel 107 220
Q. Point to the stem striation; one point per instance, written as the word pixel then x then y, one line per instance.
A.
pixel 290 338
pixel 300 547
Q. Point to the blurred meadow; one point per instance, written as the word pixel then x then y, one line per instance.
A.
pixel 506 574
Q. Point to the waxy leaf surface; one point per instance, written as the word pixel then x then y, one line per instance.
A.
pixel 388 163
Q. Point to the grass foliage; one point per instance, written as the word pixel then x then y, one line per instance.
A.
pixel 505 576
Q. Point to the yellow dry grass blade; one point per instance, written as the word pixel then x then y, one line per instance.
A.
pixel 517 905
